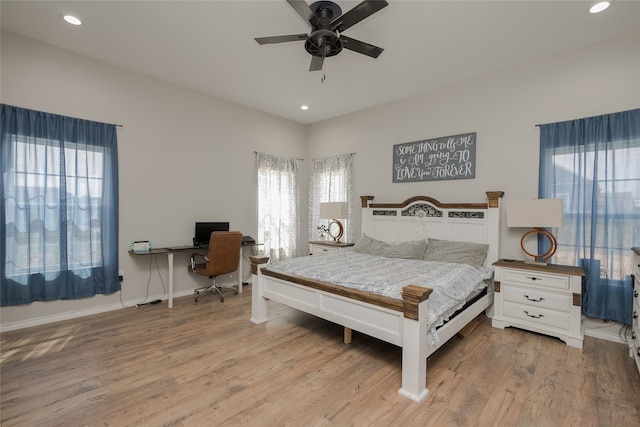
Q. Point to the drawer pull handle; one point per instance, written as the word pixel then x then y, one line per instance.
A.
pixel 533 278
pixel 533 315
pixel 533 299
pixel 635 294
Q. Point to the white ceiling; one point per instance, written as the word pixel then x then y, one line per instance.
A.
pixel 209 45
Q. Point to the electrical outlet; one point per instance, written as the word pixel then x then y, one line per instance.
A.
pixel 120 275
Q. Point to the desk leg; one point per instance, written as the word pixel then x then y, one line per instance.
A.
pixel 240 272
pixel 170 260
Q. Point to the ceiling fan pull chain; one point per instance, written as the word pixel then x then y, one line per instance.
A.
pixel 324 62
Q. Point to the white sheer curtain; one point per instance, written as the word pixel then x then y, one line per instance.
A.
pixel 331 181
pixel 278 206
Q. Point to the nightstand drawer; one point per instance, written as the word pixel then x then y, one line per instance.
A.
pixel 537 298
pixel 529 277
pixel 539 315
pixel 321 249
pixel 329 247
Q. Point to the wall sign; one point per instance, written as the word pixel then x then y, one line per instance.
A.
pixel 444 158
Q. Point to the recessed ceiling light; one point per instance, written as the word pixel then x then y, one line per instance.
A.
pixel 72 20
pixel 599 7
pixel 304 107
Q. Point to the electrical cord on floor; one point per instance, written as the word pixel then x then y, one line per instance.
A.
pixel 144 301
pixel 624 330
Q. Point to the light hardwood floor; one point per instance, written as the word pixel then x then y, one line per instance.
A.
pixel 205 364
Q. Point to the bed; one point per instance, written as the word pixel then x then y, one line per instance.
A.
pixel 402 316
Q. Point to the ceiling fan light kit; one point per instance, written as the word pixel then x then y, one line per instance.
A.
pixel 327 23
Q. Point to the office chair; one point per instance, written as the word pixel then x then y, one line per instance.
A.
pixel 222 258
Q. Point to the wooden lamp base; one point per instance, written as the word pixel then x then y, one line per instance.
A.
pixel 553 245
pixel 337 235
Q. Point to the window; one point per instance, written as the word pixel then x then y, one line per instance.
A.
pixel 613 195
pixel 60 213
pixel 331 181
pixel 593 164
pixel 33 186
pixel 278 205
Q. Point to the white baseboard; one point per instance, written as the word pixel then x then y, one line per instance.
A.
pixel 81 313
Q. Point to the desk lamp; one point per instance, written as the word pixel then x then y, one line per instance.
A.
pixel 334 211
pixel 537 214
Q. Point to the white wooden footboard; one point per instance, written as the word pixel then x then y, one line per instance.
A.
pixel 379 322
pixel 389 325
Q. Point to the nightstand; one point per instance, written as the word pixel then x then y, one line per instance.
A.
pixel 541 298
pixel 634 342
pixel 328 246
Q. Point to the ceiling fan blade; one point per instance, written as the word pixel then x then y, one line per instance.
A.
pixel 360 47
pixel 281 39
pixel 357 14
pixel 316 63
pixel 303 9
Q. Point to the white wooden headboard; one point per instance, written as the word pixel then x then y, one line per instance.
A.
pixel 421 217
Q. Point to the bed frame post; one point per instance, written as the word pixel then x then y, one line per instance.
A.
pixel 493 238
pixel 258 302
pixel 364 224
pixel 414 344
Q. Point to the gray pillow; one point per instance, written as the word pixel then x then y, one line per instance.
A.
pixel 368 245
pixel 410 250
pixel 459 252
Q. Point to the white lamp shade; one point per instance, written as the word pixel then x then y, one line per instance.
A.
pixel 538 213
pixel 334 210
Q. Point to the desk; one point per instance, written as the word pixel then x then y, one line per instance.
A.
pixel 171 251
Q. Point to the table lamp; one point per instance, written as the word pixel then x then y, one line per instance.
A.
pixel 536 214
pixel 334 211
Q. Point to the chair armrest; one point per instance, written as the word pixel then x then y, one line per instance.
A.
pixel 195 257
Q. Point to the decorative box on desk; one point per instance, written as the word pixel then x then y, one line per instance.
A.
pixel 328 246
pixel 541 298
pixel 634 342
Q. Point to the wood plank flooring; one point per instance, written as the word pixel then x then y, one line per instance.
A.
pixel 205 364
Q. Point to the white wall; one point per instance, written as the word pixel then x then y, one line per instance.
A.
pixel 177 144
pixel 183 156
pixel 503 108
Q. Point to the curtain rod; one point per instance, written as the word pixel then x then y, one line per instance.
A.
pixel 588 117
pixel 353 154
pixel 281 156
pixel 64 115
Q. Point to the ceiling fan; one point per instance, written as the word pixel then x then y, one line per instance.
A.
pixel 327 23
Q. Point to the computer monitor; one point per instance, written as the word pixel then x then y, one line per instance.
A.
pixel 204 230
